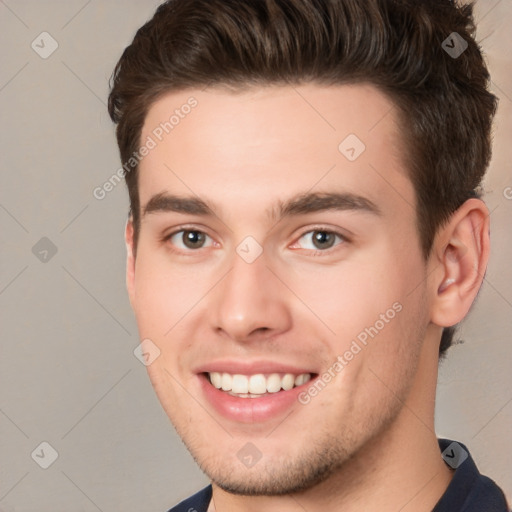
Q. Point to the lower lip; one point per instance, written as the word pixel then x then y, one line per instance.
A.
pixel 250 410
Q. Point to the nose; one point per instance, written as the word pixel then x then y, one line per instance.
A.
pixel 250 303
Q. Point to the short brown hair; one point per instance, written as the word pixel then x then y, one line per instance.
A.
pixel 443 101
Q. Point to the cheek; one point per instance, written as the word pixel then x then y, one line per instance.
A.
pixel 370 305
pixel 164 293
pixel 350 297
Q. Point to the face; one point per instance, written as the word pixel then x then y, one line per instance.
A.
pixel 280 278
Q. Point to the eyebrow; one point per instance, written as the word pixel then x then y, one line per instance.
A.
pixel 302 204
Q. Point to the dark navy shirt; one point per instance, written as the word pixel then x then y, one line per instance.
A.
pixel 468 491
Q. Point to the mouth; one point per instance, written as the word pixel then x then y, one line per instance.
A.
pixel 258 385
pixel 254 398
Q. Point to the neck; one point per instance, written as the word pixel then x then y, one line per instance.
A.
pixel 401 469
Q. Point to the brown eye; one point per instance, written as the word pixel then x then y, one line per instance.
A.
pixel 323 239
pixel 190 239
pixel 320 240
pixel 193 239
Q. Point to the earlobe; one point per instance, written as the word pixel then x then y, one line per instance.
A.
pixel 130 260
pixel 462 255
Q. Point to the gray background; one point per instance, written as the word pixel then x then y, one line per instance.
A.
pixel 68 375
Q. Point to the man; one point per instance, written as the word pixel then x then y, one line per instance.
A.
pixel 305 231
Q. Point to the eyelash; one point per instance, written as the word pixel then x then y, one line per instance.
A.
pixel 321 229
pixel 344 239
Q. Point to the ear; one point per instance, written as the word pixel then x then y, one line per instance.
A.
pixel 130 260
pixel 459 260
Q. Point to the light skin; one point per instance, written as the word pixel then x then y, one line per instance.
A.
pixel 368 436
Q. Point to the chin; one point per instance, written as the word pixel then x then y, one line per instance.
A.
pixel 273 476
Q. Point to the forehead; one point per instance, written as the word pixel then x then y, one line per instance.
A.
pixel 261 144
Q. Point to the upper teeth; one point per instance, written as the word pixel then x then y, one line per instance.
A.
pixel 257 384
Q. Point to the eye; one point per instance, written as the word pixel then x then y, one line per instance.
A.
pixel 189 239
pixel 320 240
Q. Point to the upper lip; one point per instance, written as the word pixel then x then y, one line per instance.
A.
pixel 251 367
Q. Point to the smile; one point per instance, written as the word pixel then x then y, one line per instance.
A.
pixel 258 385
pixel 253 393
